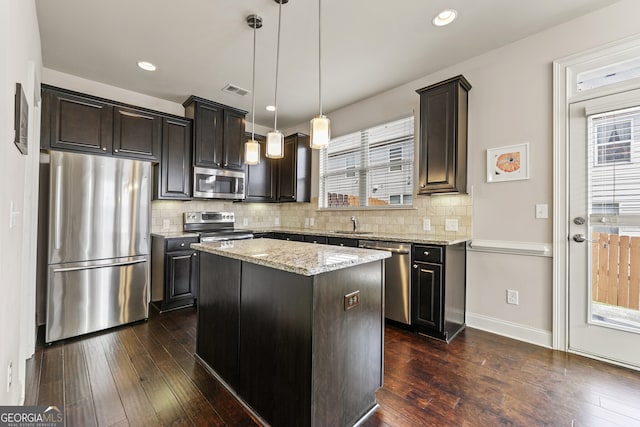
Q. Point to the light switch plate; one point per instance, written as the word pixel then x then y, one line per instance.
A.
pixel 450 224
pixel 245 221
pixel 277 221
pixel 542 211
pixel 426 224
pixel 312 221
pixel 166 224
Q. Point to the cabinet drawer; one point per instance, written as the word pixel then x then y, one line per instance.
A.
pixel 428 254
pixel 181 243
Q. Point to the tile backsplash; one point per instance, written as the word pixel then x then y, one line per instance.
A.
pixel 167 216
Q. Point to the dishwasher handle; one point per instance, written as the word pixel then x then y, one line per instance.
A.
pixel 382 248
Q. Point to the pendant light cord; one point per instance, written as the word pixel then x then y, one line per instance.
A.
pixel 275 120
pixel 253 86
pixel 320 55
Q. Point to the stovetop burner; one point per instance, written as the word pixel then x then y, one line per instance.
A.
pixel 214 226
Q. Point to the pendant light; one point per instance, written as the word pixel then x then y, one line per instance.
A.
pixel 320 124
pixel 251 147
pixel 275 138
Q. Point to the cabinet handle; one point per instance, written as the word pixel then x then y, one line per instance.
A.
pixel 226 164
pixel 116 150
pixel 182 244
pixel 104 148
pixel 341 244
pixel 426 253
pixel 415 265
pixel 195 254
pixel 423 185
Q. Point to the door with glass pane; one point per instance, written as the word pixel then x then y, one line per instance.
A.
pixel 604 209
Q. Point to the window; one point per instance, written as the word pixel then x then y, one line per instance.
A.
pixel 369 168
pixel 613 142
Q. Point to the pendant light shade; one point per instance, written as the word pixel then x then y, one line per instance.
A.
pixel 320 125
pixel 275 144
pixel 251 147
pixel 275 139
pixel 320 132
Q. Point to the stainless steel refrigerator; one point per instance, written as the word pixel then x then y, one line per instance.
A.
pixel 99 221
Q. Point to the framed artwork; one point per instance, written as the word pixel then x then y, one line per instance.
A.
pixel 509 163
pixel 21 120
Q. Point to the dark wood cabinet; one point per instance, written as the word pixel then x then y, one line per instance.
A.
pixel 174 272
pixel 261 178
pixel 172 177
pixel 74 122
pixel 343 241
pixel 294 170
pixel 218 133
pixel 443 137
pixel 315 239
pixel 219 316
pixel 136 133
pixel 439 290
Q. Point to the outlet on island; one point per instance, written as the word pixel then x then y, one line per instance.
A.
pixel 351 300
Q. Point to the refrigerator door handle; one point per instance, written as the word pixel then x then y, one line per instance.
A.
pixel 90 267
pixel 57 207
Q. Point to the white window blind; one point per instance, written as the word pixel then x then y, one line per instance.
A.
pixel 614 161
pixel 372 167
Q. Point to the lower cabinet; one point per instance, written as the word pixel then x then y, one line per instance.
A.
pixel 174 272
pixel 439 290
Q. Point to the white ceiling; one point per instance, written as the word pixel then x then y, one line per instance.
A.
pixel 201 45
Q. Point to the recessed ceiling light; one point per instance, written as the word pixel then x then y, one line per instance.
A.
pixel 271 108
pixel 147 66
pixel 445 17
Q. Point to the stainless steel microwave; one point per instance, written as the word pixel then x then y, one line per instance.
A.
pixel 218 183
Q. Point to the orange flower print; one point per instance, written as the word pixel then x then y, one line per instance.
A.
pixel 508 162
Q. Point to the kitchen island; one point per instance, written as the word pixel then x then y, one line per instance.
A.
pixel 294 330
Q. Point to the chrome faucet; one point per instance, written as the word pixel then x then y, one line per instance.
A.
pixel 355 224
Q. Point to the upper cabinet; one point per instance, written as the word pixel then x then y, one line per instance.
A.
pixel 218 134
pixel 443 137
pixel 294 171
pixel 261 178
pixel 73 121
pixel 172 177
pixel 136 133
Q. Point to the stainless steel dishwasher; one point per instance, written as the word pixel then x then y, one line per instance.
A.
pixel 397 277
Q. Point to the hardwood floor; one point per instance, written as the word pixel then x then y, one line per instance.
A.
pixel 146 375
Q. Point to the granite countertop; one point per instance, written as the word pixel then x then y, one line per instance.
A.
pixel 389 237
pixel 306 259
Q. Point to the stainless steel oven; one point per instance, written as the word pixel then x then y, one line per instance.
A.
pixel 218 183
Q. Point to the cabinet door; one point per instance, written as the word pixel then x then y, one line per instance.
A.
pixel 208 122
pixel 181 275
pixel 443 137
pixel 261 179
pixel 79 124
pixel 175 165
pixel 427 296
pixel 315 239
pixel 287 171
pixel 234 127
pixel 136 134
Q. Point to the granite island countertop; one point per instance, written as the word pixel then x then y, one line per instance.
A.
pixel 306 259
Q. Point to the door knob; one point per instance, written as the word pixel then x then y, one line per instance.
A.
pixel 580 238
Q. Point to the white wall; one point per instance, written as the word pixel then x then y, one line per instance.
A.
pixel 21 63
pixel 510 103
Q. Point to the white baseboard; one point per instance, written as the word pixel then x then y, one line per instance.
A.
pixel 511 330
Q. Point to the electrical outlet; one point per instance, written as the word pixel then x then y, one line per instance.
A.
pixel 306 222
pixel 450 224
pixel 512 296
pixel 166 224
pixel 245 222
pixel 277 221
pixel 351 300
pixel 9 376
pixel 426 224
pixel 312 221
